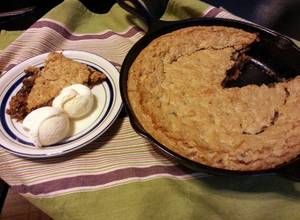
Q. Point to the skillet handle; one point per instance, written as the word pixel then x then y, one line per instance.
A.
pixel 138 10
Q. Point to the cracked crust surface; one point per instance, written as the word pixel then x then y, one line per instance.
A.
pixel 175 90
pixel 45 84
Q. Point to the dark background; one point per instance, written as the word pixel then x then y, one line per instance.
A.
pixel 280 15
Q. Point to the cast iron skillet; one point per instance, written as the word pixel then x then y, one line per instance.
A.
pixel 273 59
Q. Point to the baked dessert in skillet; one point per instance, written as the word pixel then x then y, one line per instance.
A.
pixel 175 89
pixel 43 85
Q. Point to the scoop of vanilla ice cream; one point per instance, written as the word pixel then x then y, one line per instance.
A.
pixel 47 125
pixel 76 100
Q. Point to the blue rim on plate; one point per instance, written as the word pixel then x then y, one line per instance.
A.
pixel 12 138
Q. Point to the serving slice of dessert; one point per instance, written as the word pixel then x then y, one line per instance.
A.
pixel 44 84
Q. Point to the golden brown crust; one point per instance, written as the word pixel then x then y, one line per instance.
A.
pixel 58 72
pixel 175 90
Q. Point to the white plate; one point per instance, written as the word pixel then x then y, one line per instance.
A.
pixel 14 139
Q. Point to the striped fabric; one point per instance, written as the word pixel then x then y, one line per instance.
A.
pixel 120 175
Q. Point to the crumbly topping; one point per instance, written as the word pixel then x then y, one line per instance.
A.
pixel 175 89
